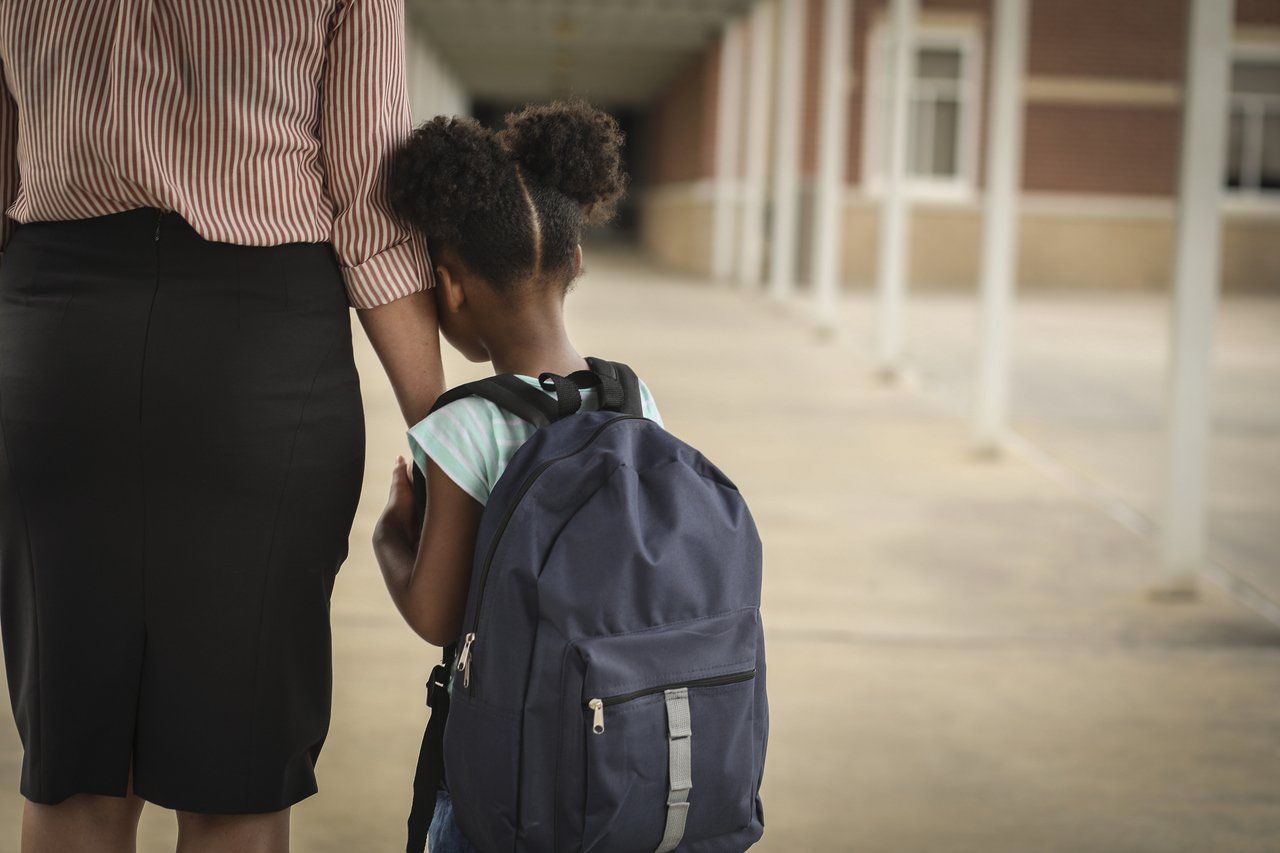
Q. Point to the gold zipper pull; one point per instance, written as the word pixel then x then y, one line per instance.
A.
pixel 464 659
pixel 597 721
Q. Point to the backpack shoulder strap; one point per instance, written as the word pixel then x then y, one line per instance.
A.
pixel 629 402
pixel 509 393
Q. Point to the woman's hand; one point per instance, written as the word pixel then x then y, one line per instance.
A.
pixel 396 535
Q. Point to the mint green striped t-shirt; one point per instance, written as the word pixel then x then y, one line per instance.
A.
pixel 473 440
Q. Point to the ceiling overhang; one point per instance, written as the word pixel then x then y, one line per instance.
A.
pixel 616 53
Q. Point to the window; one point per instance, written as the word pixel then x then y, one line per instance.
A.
pixel 1253 133
pixel 944 104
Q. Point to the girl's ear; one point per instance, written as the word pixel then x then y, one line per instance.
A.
pixel 577 261
pixel 450 288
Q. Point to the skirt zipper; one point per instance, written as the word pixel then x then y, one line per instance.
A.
pixel 598 705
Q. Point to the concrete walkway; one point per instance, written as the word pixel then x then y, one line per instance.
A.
pixel 962 653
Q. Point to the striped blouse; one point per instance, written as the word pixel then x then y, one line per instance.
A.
pixel 260 122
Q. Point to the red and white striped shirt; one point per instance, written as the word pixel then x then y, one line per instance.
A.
pixel 260 122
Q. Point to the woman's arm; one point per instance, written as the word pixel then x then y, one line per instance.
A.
pixel 364 115
pixel 428 578
pixel 8 160
pixel 404 335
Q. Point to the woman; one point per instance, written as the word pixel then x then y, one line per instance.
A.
pixel 199 191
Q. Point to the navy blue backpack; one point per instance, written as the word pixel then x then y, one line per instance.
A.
pixel 608 689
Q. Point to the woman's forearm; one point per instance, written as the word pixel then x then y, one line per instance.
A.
pixel 406 337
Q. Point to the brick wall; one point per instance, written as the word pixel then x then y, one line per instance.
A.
pixel 1073 145
pixel 1258 12
pixel 809 101
pixel 1103 114
pixel 1139 39
pixel 682 123
pixel 1123 148
pixel 1101 149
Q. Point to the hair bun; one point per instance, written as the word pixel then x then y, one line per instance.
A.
pixel 449 167
pixel 572 147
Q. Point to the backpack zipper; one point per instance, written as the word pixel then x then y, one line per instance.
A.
pixel 597 706
pixel 465 657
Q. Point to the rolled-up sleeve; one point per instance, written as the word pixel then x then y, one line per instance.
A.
pixel 8 160
pixel 364 115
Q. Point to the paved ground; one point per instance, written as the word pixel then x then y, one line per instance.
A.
pixel 1089 392
pixel 962 653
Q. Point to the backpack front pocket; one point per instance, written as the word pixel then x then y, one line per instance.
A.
pixel 670 748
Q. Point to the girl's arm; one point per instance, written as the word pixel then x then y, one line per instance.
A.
pixel 428 579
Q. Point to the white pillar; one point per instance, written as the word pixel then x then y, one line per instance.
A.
pixel 1000 226
pixel 755 185
pixel 786 148
pixel 728 129
pixel 1195 289
pixel 895 212
pixel 833 149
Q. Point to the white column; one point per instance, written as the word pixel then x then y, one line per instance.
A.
pixel 895 212
pixel 1195 289
pixel 786 148
pixel 1000 226
pixel 728 130
pixel 833 149
pixel 751 236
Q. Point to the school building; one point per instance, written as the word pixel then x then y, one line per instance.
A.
pixel 701 87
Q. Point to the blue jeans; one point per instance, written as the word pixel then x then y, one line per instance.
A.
pixel 444 835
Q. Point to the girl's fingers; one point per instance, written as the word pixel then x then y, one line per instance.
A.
pixel 400 481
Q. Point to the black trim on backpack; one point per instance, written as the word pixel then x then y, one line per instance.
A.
pixel 420 494
pixel 429 776
pixel 507 392
pixel 629 402
pixel 619 390
pixel 568 393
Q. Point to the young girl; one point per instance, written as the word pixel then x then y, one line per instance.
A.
pixel 503 215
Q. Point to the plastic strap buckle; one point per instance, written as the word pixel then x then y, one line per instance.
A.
pixel 437 685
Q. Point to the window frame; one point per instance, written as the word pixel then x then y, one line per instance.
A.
pixel 966 39
pixel 1246 197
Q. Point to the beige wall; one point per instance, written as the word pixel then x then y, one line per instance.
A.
pixel 1069 243
pixel 1251 253
pixel 1068 248
pixel 675 226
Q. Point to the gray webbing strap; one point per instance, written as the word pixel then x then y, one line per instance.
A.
pixel 679 735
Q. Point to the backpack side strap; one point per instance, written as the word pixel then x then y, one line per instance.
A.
pixel 616 372
pixel 509 393
pixel 428 777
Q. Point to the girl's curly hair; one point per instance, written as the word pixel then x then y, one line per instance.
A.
pixel 512 205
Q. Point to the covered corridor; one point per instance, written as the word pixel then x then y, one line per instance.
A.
pixel 968 651
pixel 963 655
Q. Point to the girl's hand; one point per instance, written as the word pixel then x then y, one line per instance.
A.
pixel 428 579
pixel 395 536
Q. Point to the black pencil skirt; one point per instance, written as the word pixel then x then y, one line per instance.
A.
pixel 181 452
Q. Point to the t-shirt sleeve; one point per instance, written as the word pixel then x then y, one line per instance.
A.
pixel 649 406
pixel 460 440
